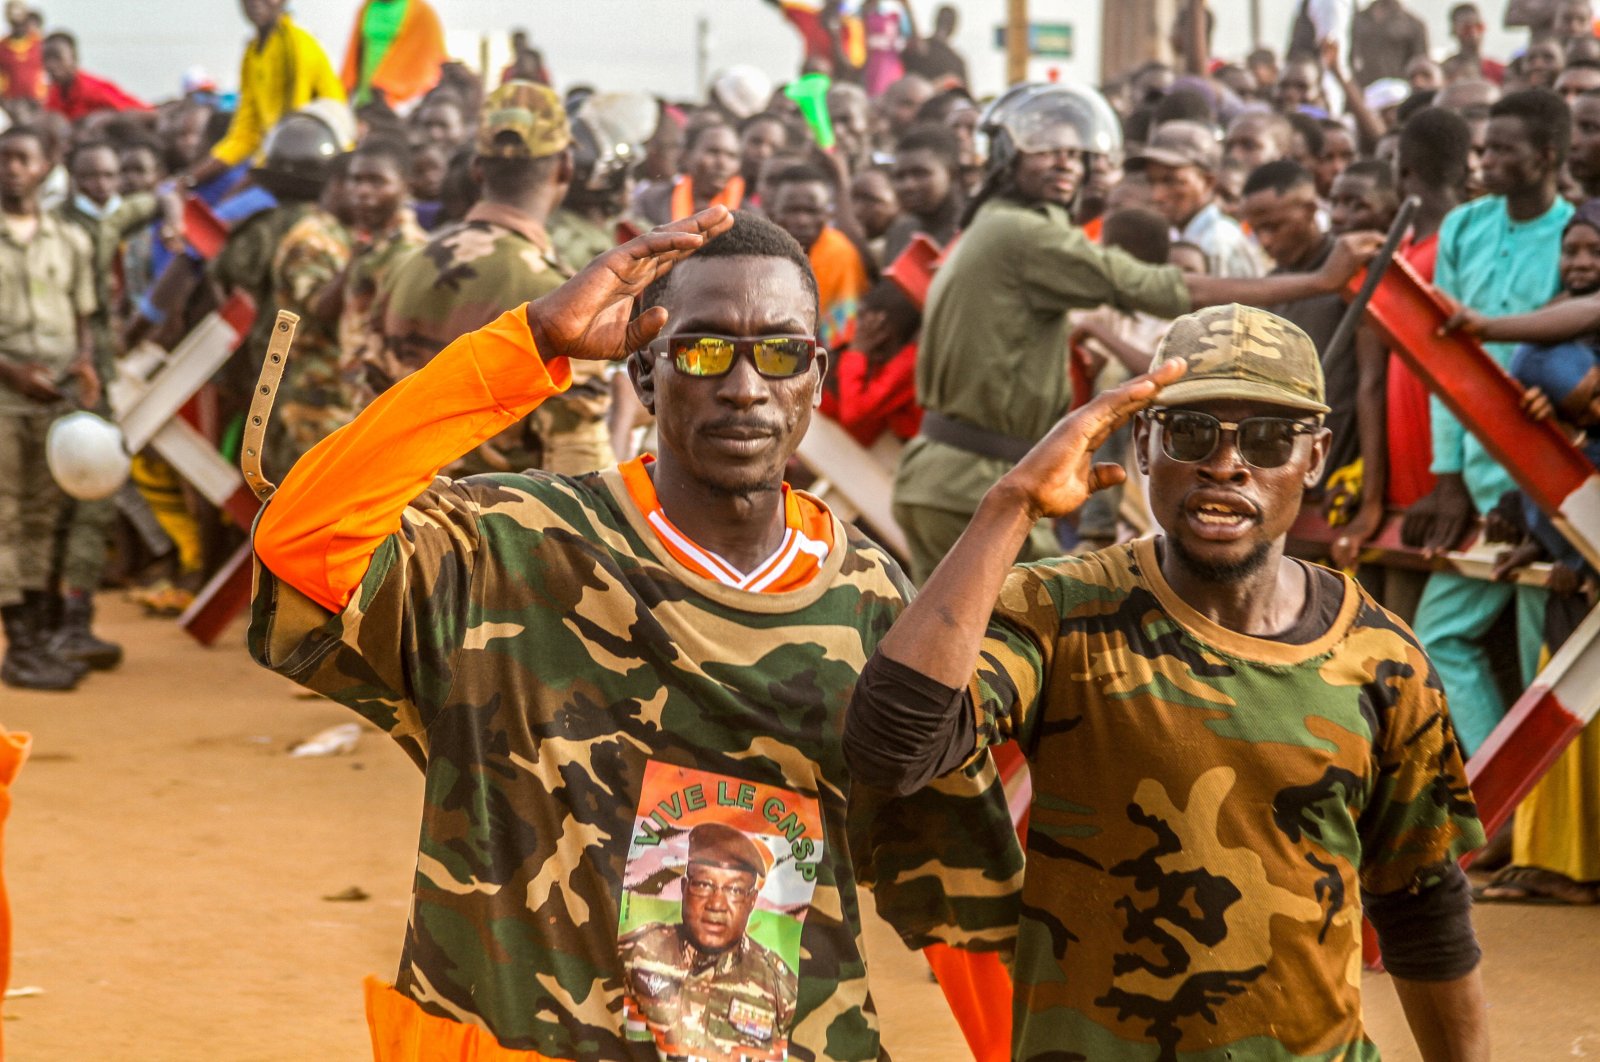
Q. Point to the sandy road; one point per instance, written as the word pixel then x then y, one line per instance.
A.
pixel 168 865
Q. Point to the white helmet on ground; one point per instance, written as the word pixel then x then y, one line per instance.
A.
pixel 86 456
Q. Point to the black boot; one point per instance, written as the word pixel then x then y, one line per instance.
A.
pixel 44 611
pixel 74 640
pixel 27 664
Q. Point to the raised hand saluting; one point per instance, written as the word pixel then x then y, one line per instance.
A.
pixel 590 317
pixel 1058 474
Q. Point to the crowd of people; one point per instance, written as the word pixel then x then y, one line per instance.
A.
pixel 975 266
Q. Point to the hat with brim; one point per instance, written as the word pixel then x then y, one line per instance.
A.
pixel 1242 353
pixel 1180 143
pixel 1191 392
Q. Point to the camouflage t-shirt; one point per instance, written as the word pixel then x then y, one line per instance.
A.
pixel 1207 808
pixel 460 280
pixel 314 400
pixel 357 336
pixel 581 702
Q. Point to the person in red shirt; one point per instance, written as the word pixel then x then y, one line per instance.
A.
pixel 876 373
pixel 74 94
pixel 1433 167
pixel 21 61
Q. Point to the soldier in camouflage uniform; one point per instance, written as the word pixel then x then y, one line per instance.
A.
pixel 298 155
pixel 546 646
pixel 703 983
pixel 1234 754
pixel 386 233
pixel 497 257
pixel 314 399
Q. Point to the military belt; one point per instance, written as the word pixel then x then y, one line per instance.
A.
pixel 973 439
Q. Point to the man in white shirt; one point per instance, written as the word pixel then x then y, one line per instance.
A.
pixel 1181 162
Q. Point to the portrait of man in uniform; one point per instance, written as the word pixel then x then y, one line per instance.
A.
pixel 702 984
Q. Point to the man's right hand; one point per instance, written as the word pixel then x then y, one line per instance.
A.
pixel 588 317
pixel 30 381
pixel 1058 474
pixel 1350 252
pixel 1438 521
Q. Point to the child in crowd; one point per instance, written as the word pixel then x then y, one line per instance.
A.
pixel 876 371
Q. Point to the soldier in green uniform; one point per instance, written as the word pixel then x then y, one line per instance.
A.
pixel 992 368
pixel 314 400
pixel 703 984
pixel 497 257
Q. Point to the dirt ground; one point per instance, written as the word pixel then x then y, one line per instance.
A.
pixel 169 866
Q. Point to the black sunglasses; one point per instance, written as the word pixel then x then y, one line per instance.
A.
pixel 775 357
pixel 1188 435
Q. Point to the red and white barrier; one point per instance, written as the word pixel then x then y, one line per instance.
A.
pixel 1410 314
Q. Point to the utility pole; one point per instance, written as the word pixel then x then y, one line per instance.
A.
pixel 702 55
pixel 1134 32
pixel 1016 41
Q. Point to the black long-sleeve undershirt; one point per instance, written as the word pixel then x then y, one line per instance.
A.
pixel 905 729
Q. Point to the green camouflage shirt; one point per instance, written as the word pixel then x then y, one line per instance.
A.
pixel 359 338
pixel 741 998
pixel 245 264
pixel 579 702
pixel 468 274
pixel 1207 809
pixel 314 400
pixel 461 279
pixel 579 240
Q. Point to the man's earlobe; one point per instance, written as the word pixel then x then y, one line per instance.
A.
pixel 641 373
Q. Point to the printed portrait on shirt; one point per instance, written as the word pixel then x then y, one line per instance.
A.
pixel 719 879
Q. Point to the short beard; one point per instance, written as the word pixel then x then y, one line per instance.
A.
pixel 1230 572
pixel 740 491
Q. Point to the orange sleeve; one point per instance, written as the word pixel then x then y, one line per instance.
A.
pixel 341 500
pixel 14 747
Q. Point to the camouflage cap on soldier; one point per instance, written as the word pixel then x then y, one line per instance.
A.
pixel 714 844
pixel 532 113
pixel 1242 352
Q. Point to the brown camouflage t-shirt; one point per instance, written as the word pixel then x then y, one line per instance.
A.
pixel 1207 808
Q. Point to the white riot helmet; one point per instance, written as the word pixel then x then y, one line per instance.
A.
pixel 1046 117
pixel 86 456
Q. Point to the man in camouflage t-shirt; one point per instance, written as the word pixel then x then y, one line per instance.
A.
pixel 499 256
pixel 1232 752
pixel 592 670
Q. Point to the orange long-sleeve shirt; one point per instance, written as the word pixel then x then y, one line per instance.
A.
pixel 346 496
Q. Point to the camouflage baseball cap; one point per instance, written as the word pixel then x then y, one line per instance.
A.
pixel 531 111
pixel 717 845
pixel 1241 352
